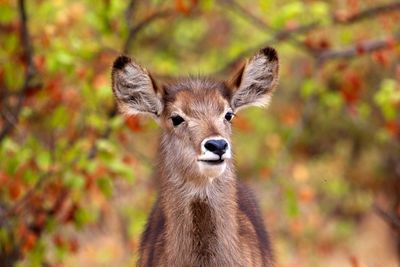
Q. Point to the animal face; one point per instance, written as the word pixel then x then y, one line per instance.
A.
pixel 196 113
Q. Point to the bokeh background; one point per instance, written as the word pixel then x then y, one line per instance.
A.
pixel 324 159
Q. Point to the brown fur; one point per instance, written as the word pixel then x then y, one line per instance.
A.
pixel 199 220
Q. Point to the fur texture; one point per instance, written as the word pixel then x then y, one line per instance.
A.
pixel 257 80
pixel 203 215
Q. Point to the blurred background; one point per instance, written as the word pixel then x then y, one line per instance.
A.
pixel 324 159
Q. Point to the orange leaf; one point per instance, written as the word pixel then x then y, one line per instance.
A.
pixel 342 15
pixel 392 127
pixel 29 241
pixel 242 124
pixel 290 116
pixel 353 5
pixel 354 261
pixel 15 189
pixel 133 123
pixel 381 57
pixel 351 88
pixel 306 194
pixel 181 7
pixel 73 245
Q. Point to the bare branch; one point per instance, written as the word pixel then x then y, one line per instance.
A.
pixel 30 70
pixel 237 8
pixel 367 13
pixel 142 24
pixel 129 12
pixel 390 219
pixel 358 49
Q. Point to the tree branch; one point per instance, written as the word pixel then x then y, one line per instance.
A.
pixel 390 219
pixel 133 31
pixel 247 15
pixel 358 49
pixel 29 73
pixel 367 13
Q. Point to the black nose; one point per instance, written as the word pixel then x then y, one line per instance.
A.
pixel 218 147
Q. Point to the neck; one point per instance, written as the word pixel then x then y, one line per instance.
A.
pixel 201 218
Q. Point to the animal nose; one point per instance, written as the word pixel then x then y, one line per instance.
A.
pixel 218 147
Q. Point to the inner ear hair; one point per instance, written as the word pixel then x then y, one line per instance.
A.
pixel 255 81
pixel 135 90
pixel 237 77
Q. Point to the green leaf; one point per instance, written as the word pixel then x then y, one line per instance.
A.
pixel 59 118
pixel 73 180
pixel 292 207
pixel 105 185
pixel 43 159
pixel 84 216
pixel 126 171
pixel 387 97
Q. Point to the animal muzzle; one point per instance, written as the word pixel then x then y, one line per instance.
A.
pixel 215 150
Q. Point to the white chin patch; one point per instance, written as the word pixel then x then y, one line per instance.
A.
pixel 211 170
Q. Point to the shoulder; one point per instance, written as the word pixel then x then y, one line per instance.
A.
pixel 248 205
pixel 247 200
pixel 151 241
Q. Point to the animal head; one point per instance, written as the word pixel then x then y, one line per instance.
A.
pixel 196 113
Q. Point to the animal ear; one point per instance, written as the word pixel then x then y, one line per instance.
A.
pixel 255 82
pixel 134 89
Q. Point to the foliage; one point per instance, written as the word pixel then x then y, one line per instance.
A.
pixel 320 155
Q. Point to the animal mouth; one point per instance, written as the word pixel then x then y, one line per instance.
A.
pixel 213 161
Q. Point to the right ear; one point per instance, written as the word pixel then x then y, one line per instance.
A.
pixel 134 89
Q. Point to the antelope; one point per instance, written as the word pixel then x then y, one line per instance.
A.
pixel 203 215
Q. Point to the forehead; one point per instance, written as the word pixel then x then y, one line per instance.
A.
pixel 196 97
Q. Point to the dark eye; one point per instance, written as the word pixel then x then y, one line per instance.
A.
pixel 229 116
pixel 176 120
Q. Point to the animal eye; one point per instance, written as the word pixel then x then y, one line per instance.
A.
pixel 229 116
pixel 176 120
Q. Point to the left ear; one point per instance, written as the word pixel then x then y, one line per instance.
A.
pixel 254 84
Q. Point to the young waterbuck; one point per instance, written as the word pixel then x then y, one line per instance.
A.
pixel 203 215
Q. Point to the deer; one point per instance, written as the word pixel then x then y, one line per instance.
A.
pixel 203 215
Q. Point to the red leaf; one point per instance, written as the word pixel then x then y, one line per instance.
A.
pixel 353 6
pixel 324 43
pixel 40 219
pixel 133 123
pixel 354 261
pixel 15 189
pixel 29 242
pixel 390 42
pixel 392 127
pixel 59 240
pixel 181 7
pixel 351 88
pixel 381 57
pixel 73 245
pixel 9 27
pixel 360 49
pixel 70 214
